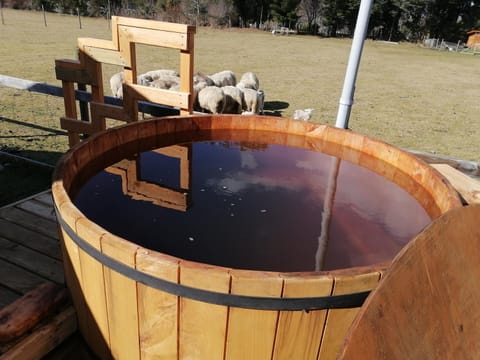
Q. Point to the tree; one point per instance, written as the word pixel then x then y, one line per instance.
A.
pixel 450 19
pixel 311 10
pixel 285 11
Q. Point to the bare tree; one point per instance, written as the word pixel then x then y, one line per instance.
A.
pixel 311 11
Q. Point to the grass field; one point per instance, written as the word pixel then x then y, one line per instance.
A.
pixel 406 95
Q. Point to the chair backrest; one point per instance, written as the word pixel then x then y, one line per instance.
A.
pixel 428 304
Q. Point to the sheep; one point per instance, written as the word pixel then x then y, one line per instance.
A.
pixel 234 100
pixel 152 75
pixel 305 114
pixel 249 81
pixel 166 82
pixel 210 99
pixel 254 101
pixel 224 78
pixel 116 84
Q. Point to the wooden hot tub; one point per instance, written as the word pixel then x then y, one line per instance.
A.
pixel 136 303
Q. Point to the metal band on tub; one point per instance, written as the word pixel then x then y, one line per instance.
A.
pixel 242 301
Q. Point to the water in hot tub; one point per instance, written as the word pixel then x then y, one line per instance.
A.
pixel 253 206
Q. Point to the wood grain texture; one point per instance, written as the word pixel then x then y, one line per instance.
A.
pixel 249 326
pixel 299 333
pixel 122 300
pixel 45 338
pixel 21 315
pixel 467 186
pixel 339 320
pixel 157 310
pixel 426 305
pixel 202 327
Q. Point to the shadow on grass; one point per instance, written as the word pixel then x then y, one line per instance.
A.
pixel 21 177
pixel 274 108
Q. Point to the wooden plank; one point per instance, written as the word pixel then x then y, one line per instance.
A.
pixel 38 208
pixel 251 333
pixel 161 96
pixel 45 198
pixel 146 36
pixel 43 265
pixel 96 43
pixel 7 296
pixel 76 126
pixel 152 24
pixel 108 111
pixel 30 221
pixel 71 258
pixel 198 341
pixel 45 338
pixel 105 55
pixel 18 278
pixel 299 333
pixel 426 306
pixel 339 320
pixel 29 238
pixel 74 347
pixel 157 310
pixel 93 289
pixel 121 294
pixel 21 315
pixel 68 64
pixel 186 72
pixel 468 187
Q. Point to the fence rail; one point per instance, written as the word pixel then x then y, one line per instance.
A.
pixel 82 96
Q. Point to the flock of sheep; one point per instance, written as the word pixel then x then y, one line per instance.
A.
pixel 219 93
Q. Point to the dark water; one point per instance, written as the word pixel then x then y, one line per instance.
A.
pixel 253 206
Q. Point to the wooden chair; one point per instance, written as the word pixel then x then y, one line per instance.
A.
pixel 428 304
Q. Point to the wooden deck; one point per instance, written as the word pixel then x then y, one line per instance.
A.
pixel 30 259
pixel 30 256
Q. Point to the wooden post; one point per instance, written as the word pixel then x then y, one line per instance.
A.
pixel 44 16
pixel 79 19
pixel 1 13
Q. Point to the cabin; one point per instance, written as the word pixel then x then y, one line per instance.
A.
pixel 473 39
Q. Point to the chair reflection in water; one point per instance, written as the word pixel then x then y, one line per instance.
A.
pixel 159 194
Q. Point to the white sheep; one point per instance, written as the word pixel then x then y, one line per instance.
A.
pixel 254 101
pixel 116 84
pixel 166 82
pixel 234 100
pixel 210 99
pixel 224 78
pixel 305 114
pixel 249 81
pixel 152 75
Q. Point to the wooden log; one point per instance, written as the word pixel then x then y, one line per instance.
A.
pixel 45 338
pixel 23 314
pixel 468 187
